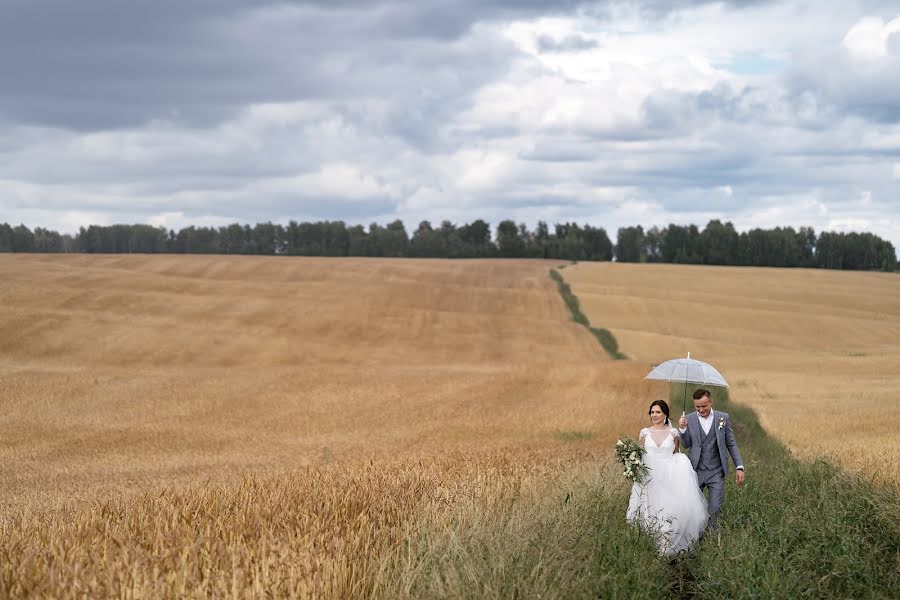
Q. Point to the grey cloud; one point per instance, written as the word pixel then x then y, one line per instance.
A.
pixel 359 211
pixel 666 114
pixel 868 88
pixel 696 200
pixel 679 112
pixel 893 44
pixel 98 64
pixel 233 203
pixel 561 151
pixel 571 43
pixel 658 10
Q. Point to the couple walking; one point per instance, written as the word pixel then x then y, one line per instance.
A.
pixel 670 503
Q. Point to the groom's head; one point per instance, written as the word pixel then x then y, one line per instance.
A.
pixel 702 402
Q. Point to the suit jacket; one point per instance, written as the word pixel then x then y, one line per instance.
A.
pixel 725 442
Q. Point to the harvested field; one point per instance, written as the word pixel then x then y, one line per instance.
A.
pixel 815 352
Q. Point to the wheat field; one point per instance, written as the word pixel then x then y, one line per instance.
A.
pixel 814 352
pixel 196 426
pixel 123 372
pixel 140 391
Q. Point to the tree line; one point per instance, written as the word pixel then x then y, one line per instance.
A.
pixel 716 244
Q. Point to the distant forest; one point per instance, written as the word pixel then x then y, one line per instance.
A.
pixel 717 244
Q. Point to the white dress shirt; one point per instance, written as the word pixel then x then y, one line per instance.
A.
pixel 707 422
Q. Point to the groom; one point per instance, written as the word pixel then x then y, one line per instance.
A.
pixel 707 435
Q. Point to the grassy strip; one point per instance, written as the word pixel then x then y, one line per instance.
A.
pixel 604 336
pixel 608 341
pixel 569 298
pixel 796 529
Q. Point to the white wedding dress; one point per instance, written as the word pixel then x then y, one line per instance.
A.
pixel 669 504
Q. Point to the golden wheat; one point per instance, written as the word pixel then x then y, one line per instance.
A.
pixel 292 427
pixel 322 532
pixel 245 426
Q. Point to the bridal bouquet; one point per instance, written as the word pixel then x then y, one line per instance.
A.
pixel 631 455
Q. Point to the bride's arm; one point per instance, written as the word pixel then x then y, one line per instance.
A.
pixel 677 439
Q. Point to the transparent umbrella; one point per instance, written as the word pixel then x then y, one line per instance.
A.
pixel 687 370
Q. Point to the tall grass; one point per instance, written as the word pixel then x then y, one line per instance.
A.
pixel 796 529
pixel 566 541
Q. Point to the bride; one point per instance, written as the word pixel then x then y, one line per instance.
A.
pixel 669 504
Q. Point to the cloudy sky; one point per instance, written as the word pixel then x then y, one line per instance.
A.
pixel 207 112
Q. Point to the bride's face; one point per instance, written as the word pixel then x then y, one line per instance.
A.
pixel 657 415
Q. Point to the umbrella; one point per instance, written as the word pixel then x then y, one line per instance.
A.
pixel 687 370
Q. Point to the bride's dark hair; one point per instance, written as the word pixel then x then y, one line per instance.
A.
pixel 662 406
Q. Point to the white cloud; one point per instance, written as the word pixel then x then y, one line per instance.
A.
pixel 331 181
pixel 867 39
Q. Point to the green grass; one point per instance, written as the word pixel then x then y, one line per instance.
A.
pixel 604 336
pixel 608 341
pixel 796 529
pixel 569 298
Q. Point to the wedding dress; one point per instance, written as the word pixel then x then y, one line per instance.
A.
pixel 669 504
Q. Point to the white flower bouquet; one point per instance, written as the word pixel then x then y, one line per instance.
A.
pixel 631 455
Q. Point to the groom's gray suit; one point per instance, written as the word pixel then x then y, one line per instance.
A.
pixel 708 454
